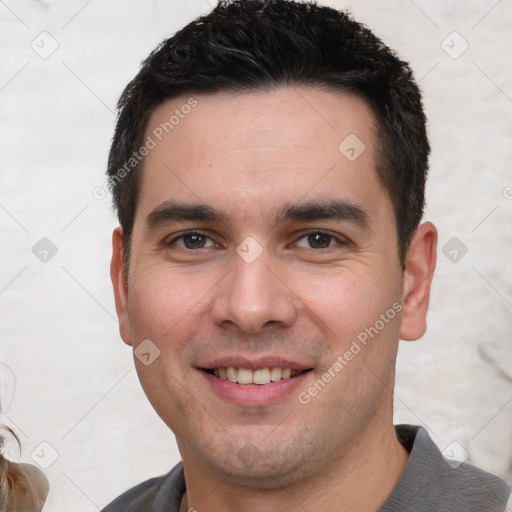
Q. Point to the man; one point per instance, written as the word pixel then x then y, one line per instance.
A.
pixel 268 170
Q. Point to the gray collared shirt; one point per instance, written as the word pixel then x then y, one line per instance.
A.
pixel 429 483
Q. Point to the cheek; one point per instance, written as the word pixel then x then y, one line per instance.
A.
pixel 346 300
pixel 164 306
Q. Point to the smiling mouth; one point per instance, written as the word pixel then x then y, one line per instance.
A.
pixel 261 376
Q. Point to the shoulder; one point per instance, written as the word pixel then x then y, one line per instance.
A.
pixel 138 498
pixel 152 495
pixel 476 489
pixel 433 482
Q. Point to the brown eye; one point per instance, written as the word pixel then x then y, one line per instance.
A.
pixel 192 240
pixel 318 240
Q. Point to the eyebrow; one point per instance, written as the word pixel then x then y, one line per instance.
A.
pixel 311 211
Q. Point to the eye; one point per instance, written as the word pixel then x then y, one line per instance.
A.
pixel 319 240
pixel 191 240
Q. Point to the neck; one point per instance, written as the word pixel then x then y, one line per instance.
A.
pixel 360 481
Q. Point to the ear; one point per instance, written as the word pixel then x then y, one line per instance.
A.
pixel 120 284
pixel 419 269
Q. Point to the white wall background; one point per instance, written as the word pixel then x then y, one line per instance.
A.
pixel 69 382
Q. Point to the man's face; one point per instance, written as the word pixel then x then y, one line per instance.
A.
pixel 298 258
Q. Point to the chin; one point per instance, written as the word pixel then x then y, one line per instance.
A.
pixel 262 476
pixel 265 466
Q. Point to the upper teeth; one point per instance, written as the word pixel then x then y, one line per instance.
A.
pixel 248 376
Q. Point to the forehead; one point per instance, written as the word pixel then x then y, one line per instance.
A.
pixel 250 151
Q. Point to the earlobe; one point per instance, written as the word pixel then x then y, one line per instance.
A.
pixel 418 273
pixel 119 282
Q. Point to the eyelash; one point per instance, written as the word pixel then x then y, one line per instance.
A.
pixel 340 241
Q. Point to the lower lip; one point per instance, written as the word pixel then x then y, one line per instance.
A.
pixel 255 394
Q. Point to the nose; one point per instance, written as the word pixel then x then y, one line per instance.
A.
pixel 254 295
